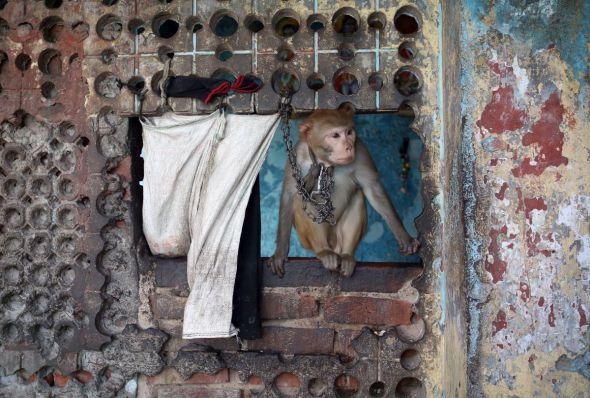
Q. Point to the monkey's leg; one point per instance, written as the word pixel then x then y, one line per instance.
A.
pixel 316 237
pixel 350 229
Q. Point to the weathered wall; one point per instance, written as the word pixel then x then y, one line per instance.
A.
pixel 526 161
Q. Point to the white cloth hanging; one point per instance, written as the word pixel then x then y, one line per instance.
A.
pixel 198 174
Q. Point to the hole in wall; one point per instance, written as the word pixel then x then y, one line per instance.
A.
pixel 49 62
pixel 109 27
pixel 317 387
pixel 410 359
pixel 316 81
pixel 407 80
pixel 23 62
pixel 52 4
pixel 165 25
pixel 316 22
pixel 109 2
pixel 3 60
pixel 410 387
pixel 346 51
pixel 376 81
pixel 407 20
pixel 285 81
pixel 345 81
pixel 194 24
pixel 225 74
pixel 51 28
pixel 108 85
pixel 223 52
pixel 377 389
pixel 285 52
pixel 346 21
pixel 136 26
pixel 377 20
pixel 407 51
pixel 254 23
pixel 346 386
pixel 224 23
pixel 287 385
pixel 286 22
pixel 108 56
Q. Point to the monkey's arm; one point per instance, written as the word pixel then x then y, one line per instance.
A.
pixel 276 262
pixel 367 178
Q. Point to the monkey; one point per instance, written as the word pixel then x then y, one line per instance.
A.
pixel 328 136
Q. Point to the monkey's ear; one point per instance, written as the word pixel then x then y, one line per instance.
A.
pixel 348 108
pixel 304 131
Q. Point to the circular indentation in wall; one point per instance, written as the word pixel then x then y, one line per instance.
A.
pixel 48 90
pixel 316 22
pixel 24 29
pixel 225 74
pixel 410 387
pixel 66 161
pixel 316 81
pixel 286 22
pixel 407 20
pixel 11 333
pixel 165 53
pixel 109 27
pixel 12 276
pixel 346 386
pixel 165 25
pixel 345 81
pixel 39 246
pixel 287 384
pixel 14 157
pixel 39 276
pixel 39 186
pixel 67 131
pixel 4 28
pixel 224 23
pixel 346 21
pixel 14 302
pixel 136 84
pixel 376 81
pixel 108 85
pixel 67 276
pixel 49 62
pixel 254 23
pixel 67 216
pixel 285 52
pixel 414 331
pixel 13 216
pixel 166 1
pixel 83 261
pixel 136 26
pixel 377 20
pixel 285 82
pixel 66 244
pixel 407 80
pixel 40 304
pixel 109 2
pixel 108 56
pixel 377 389
pixel 83 142
pixel 346 51
pixel 13 242
pixel 51 28
pixel 23 62
pixel 66 188
pixel 64 333
pixel 194 24
pixel 13 187
pixel 317 387
pixel 407 51
pixel 223 52
pixel 410 359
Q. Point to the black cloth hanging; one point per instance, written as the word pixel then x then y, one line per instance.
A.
pixel 248 284
pixel 205 88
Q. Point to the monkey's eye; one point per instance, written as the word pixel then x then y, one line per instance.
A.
pixel 336 135
pixel 349 132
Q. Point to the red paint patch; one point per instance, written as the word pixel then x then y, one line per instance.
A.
pixel 494 162
pixel 532 240
pixel 545 135
pixel 531 204
pixel 551 318
pixel 502 192
pixel 500 114
pixel 525 292
pixel 541 301
pixel 532 358
pixel 520 206
pixel 500 322
pixel 497 267
pixel 583 319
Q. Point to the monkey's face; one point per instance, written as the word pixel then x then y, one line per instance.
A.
pixel 338 145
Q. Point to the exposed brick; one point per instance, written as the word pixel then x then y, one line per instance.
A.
pixel 171 272
pixel 193 391
pixel 171 376
pixel 343 342
pixel 301 272
pixel 367 311
pixel 166 306
pixel 288 306
pixel 294 340
pixel 384 278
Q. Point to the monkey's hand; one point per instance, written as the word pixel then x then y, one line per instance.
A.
pixel 347 265
pixel 408 245
pixel 329 259
pixel 276 264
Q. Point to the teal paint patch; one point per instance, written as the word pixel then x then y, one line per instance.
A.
pixel 383 134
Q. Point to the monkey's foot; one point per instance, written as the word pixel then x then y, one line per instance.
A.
pixel 347 265
pixel 329 259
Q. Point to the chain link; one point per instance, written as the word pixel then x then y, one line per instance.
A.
pixel 320 196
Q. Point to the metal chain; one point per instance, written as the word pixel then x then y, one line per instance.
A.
pixel 320 196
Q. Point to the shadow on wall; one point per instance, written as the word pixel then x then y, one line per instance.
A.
pixel 392 145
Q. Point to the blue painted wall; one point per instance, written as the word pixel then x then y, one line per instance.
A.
pixel 383 134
